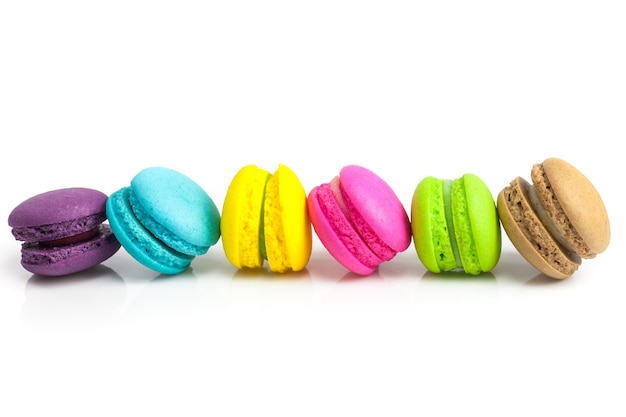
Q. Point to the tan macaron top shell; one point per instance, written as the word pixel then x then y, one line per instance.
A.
pixel 582 205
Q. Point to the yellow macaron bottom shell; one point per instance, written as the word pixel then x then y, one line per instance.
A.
pixel 241 224
pixel 265 217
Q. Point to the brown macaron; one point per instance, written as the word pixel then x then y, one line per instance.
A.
pixel 555 221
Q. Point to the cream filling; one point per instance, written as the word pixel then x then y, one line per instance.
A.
pixel 447 203
pixel 553 228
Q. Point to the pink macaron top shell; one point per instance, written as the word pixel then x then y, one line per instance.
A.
pixel 337 234
pixel 375 209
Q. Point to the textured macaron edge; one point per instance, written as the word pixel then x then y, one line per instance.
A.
pixel 287 226
pixel 455 225
pixel 138 241
pixel 242 218
pixel 375 210
pixel 58 214
pixel 70 259
pixel 529 235
pixel 484 225
pixel 462 226
pixel 429 227
pixel 574 205
pixel 337 234
pixel 163 234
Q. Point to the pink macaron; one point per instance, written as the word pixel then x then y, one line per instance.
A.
pixel 359 219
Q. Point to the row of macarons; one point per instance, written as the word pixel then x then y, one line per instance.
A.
pixel 164 219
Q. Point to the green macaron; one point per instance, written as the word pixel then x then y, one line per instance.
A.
pixel 455 225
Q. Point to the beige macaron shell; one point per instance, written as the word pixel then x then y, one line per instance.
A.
pixel 581 202
pixel 525 230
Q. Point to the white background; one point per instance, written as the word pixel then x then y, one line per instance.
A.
pixel 93 92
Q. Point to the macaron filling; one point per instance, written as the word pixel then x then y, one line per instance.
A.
pixel 70 240
pixel 447 192
pixel 553 228
pixel 262 247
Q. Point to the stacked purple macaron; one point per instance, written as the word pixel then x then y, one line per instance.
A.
pixel 63 231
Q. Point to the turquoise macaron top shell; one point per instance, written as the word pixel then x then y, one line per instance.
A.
pixel 455 225
pixel 164 219
pixel 175 209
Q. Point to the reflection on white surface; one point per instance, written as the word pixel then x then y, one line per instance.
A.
pixel 455 291
pixel 101 298
pixel 90 300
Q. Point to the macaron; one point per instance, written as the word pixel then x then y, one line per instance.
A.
pixel 164 219
pixel 359 219
pixel 455 225
pixel 63 231
pixel 264 217
pixel 555 221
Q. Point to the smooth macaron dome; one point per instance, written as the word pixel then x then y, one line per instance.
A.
pixel 63 231
pixel 455 225
pixel 556 220
pixel 359 219
pixel 265 218
pixel 164 219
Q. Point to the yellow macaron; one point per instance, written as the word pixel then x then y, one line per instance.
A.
pixel 265 217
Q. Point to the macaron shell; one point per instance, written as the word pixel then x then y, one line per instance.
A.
pixel 69 259
pixel 429 227
pixel 241 223
pixel 58 213
pixel 378 205
pixel 166 236
pixel 178 204
pixel 287 227
pixel 528 234
pixel 581 202
pixel 484 222
pixel 337 234
pixel 138 241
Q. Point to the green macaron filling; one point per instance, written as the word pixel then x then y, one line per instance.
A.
pixel 447 202
pixel 262 247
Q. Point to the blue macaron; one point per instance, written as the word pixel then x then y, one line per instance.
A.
pixel 164 219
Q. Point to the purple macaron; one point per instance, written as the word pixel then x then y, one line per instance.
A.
pixel 63 231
